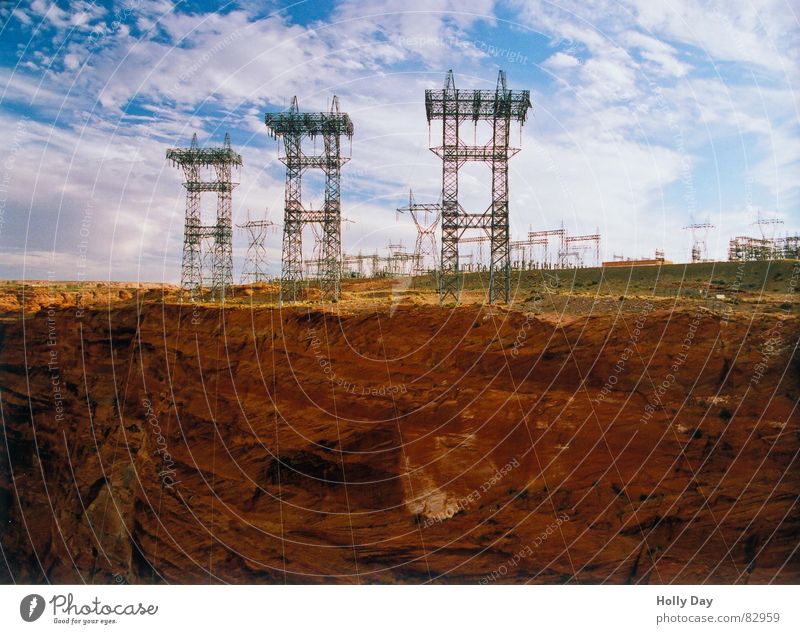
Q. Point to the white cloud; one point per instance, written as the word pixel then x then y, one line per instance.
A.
pixel 21 16
pixel 663 57
pixel 561 61
pixel 764 33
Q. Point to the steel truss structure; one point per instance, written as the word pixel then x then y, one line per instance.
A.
pixel 789 247
pixel 699 240
pixel 426 219
pixel 748 249
pixel 315 267
pixel 525 250
pixel 196 162
pixel 543 237
pixel 399 262
pixel 354 265
pixel 254 269
pixel 453 107
pixel 293 126
pixel 575 246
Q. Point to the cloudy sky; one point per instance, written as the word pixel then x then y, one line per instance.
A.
pixel 647 115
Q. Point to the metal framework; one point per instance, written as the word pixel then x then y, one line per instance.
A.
pixel 196 163
pixel 453 107
pixel 768 246
pixel 576 246
pixel 293 126
pixel 480 241
pixel 545 237
pixel 315 267
pixel 206 256
pixel 789 247
pixel 399 262
pixel 426 219
pixel 699 240
pixel 747 249
pixel 525 249
pixel 254 269
pixel 354 265
pixel 767 226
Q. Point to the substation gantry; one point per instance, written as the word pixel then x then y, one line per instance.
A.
pixel 453 107
pixel 196 163
pixel 292 127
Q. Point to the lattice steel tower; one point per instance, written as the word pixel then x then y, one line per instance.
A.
pixel 453 107
pixel 254 269
pixel 699 240
pixel 293 126
pixel 426 218
pixel 195 161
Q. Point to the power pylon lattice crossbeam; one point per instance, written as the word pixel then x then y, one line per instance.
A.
pixel 293 126
pixel 453 107
pixel 195 162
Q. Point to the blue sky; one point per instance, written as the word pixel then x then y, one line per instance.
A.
pixel 646 115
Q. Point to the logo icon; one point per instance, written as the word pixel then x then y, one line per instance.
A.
pixel 31 607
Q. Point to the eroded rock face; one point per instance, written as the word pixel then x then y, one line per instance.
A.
pixel 157 442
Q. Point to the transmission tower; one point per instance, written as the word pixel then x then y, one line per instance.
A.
pixel 195 161
pixel 426 219
pixel 768 226
pixel 498 107
pixel 699 240
pixel 293 126
pixel 254 269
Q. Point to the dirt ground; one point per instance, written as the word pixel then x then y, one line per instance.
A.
pixel 622 427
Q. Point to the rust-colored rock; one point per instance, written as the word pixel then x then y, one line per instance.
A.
pixel 163 442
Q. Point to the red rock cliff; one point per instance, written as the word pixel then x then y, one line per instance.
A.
pixel 152 443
